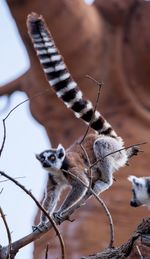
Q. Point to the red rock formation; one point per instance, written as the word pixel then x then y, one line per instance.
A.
pixel 111 42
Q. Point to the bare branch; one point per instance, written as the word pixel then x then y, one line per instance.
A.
pixel 90 167
pixel 100 84
pixel 19 177
pixel 139 252
pixel 46 252
pixel 101 202
pixel 8 232
pixel 16 247
pixel 1 190
pixel 98 198
pixel 21 186
pixel 11 111
pixel 4 124
pixel 124 250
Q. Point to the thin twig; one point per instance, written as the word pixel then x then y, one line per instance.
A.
pixel 139 252
pixel 8 232
pixel 90 167
pixel 11 111
pixel 1 190
pixel 19 177
pixel 42 209
pixel 125 148
pixel 46 252
pixel 103 205
pixel 100 84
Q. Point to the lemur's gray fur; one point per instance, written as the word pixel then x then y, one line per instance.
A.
pixel 98 145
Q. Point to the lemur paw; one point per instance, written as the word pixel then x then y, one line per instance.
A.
pixel 133 151
pixel 40 227
pixel 57 216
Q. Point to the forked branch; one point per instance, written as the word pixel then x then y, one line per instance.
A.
pixel 28 239
pixel 8 233
pixel 13 248
pixel 124 250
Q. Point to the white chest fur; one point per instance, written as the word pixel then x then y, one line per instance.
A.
pixel 59 177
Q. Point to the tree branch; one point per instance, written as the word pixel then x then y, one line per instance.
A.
pixel 11 111
pixel 124 250
pixel 139 252
pixel 100 84
pixel 8 233
pixel 101 202
pixel 28 239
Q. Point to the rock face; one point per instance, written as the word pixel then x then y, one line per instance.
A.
pixel 110 41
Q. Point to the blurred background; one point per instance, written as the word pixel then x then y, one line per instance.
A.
pixel 109 40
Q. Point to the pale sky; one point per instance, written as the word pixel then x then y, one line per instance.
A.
pixel 25 138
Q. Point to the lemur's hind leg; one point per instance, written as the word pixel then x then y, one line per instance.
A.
pixel 108 164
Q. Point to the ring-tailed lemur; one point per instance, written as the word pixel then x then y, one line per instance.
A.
pixel 140 191
pixel 97 145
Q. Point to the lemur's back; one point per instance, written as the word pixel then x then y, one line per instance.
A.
pixel 83 157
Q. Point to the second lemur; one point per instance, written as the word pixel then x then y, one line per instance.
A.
pixel 103 141
pixel 140 191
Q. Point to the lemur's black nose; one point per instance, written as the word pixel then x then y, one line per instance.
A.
pixel 133 204
pixel 45 164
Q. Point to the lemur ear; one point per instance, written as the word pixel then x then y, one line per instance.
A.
pixel 60 151
pixel 37 156
pixel 132 178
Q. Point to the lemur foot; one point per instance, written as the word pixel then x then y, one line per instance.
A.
pixel 40 227
pixel 58 217
pixel 133 151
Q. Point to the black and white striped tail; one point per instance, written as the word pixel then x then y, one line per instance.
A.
pixel 60 79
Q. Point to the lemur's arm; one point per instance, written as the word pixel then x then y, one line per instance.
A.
pixel 52 194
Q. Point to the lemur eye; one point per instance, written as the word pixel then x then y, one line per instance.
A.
pixel 52 158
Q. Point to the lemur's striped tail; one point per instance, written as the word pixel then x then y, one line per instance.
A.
pixel 59 77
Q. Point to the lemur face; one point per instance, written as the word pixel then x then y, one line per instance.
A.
pixel 52 158
pixel 140 191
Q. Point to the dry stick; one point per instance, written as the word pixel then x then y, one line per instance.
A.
pixel 97 99
pixel 1 190
pixel 8 232
pixel 19 177
pixel 42 209
pixel 89 163
pixel 125 148
pixel 46 252
pixel 139 252
pixel 103 205
pixel 86 132
pixel 4 124
pixel 12 110
pixel 38 204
